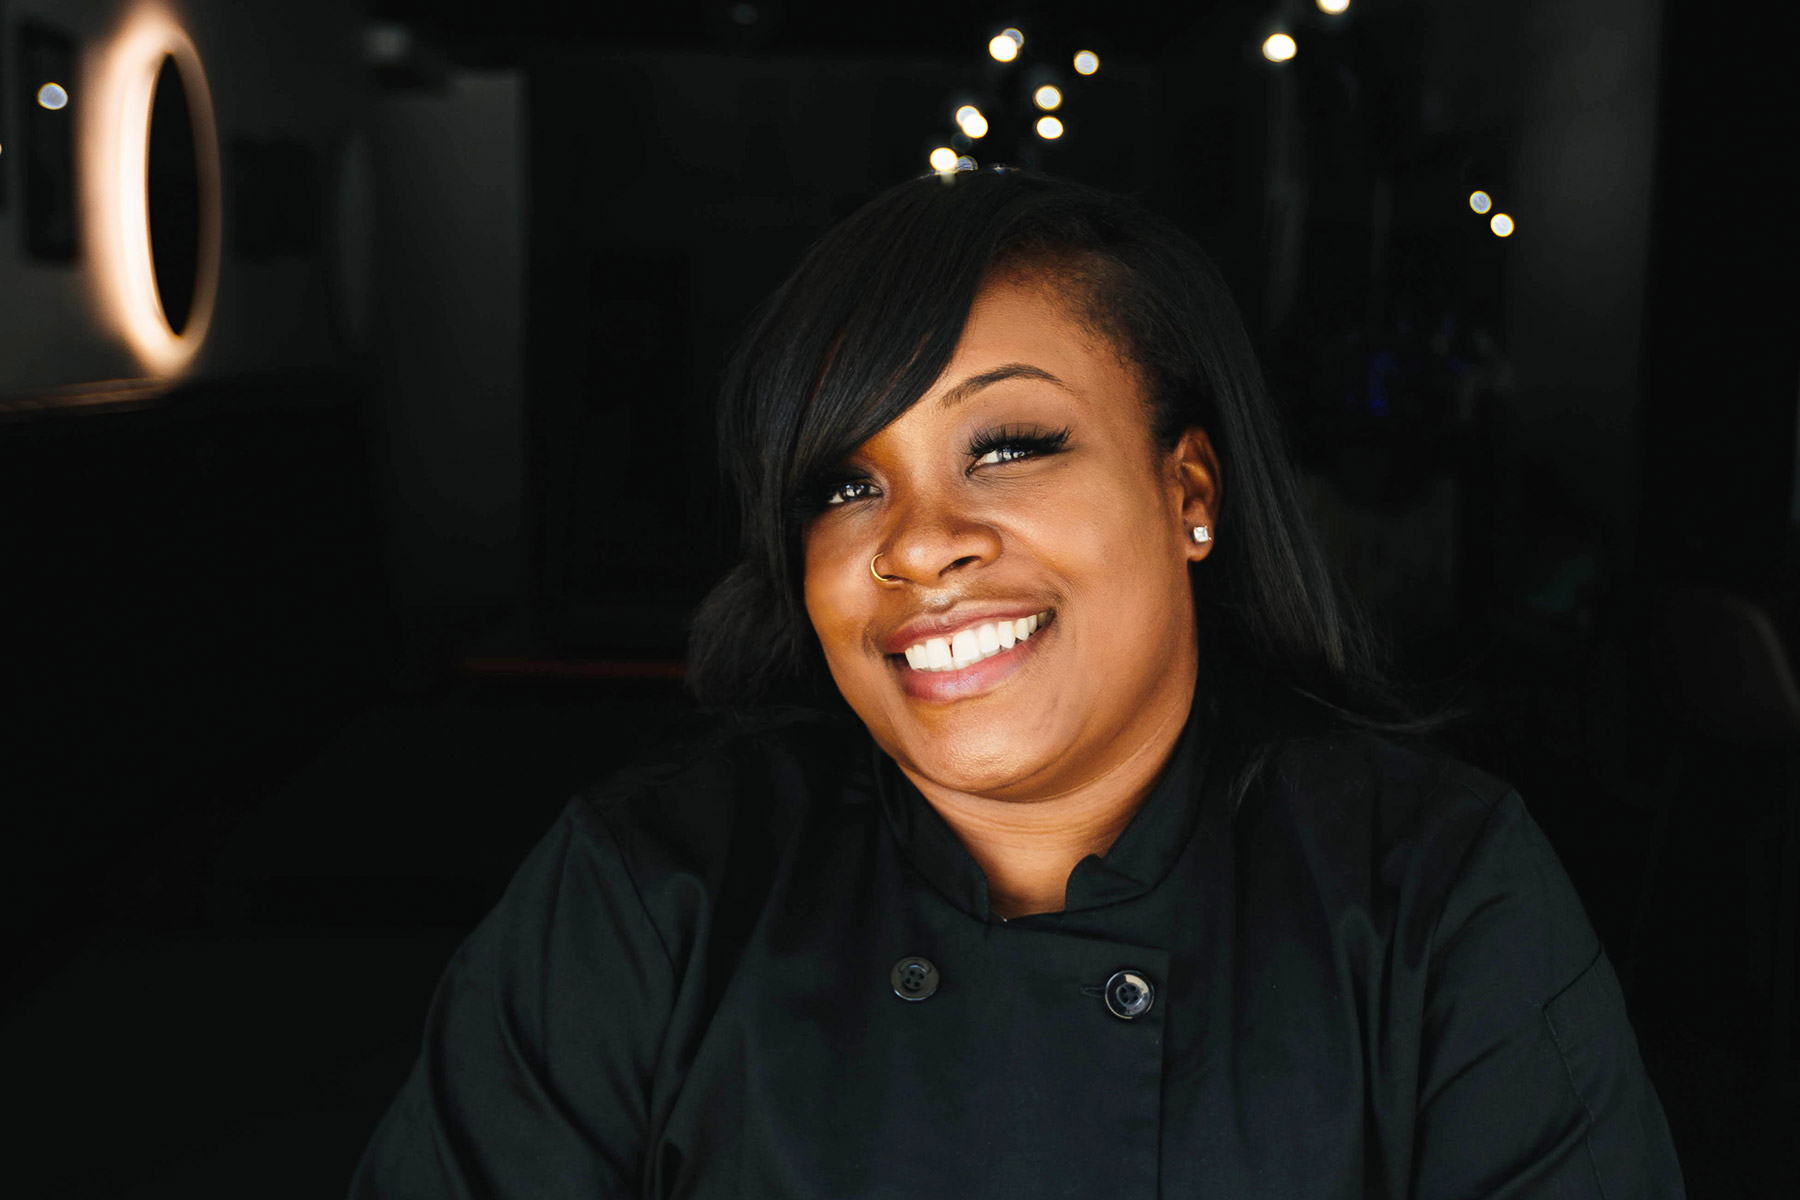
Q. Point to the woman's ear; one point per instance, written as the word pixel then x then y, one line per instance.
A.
pixel 1195 482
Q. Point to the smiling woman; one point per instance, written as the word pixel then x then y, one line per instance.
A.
pixel 1163 381
pixel 1063 833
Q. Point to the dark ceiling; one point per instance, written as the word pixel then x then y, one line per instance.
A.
pixel 488 30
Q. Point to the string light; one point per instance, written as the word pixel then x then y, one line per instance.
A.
pixel 1333 7
pixel 1086 62
pixel 1480 201
pixel 1006 45
pixel 1279 47
pixel 943 159
pixel 1047 97
pixel 53 96
pixel 1049 128
pixel 1502 225
pixel 971 122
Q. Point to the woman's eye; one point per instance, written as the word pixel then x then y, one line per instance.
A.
pixel 1001 454
pixel 1011 445
pixel 848 490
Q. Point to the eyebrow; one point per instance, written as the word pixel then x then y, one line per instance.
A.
pixel 976 383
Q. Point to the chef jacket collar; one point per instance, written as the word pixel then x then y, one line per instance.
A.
pixel 1143 854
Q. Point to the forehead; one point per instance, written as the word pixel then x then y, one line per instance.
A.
pixel 1040 319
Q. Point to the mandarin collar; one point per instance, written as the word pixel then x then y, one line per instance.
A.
pixel 1139 859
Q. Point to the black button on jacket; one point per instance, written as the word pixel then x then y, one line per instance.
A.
pixel 1373 978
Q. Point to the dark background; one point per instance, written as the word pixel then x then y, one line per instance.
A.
pixel 304 652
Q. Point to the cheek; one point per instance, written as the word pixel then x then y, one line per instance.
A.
pixel 1112 543
pixel 832 603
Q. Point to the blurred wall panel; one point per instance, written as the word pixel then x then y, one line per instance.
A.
pixel 448 335
pixel 1581 185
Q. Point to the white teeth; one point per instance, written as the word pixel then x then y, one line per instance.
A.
pixel 970 646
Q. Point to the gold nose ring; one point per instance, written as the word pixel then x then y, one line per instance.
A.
pixel 879 577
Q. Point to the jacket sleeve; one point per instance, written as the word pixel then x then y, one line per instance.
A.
pixel 1530 1080
pixel 534 1075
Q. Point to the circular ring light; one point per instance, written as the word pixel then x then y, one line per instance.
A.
pixel 118 170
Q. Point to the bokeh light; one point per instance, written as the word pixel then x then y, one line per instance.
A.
pixel 1006 45
pixel 1086 62
pixel 1334 7
pixel 1049 128
pixel 1279 47
pixel 965 163
pixel 971 122
pixel 53 96
pixel 1502 225
pixel 1480 201
pixel 1047 97
pixel 943 159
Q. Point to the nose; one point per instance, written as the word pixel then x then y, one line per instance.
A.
pixel 930 539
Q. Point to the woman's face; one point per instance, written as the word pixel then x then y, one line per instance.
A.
pixel 1025 486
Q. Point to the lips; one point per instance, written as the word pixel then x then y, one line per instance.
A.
pixel 979 669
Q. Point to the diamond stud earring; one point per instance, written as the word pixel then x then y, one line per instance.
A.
pixel 1201 535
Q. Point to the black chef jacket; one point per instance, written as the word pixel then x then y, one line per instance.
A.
pixel 767 968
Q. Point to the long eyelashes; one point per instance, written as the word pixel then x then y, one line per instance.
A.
pixel 992 447
pixel 1009 443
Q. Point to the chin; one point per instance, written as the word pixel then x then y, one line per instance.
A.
pixel 984 754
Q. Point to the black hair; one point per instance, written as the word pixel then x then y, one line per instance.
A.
pixel 865 325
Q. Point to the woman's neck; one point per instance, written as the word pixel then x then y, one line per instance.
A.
pixel 1028 847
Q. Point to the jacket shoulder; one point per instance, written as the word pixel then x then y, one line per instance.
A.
pixel 1393 789
pixel 721 787
pixel 1382 826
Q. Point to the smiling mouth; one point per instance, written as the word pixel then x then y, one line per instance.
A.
pixel 966 647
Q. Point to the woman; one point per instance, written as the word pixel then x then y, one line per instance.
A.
pixel 1078 846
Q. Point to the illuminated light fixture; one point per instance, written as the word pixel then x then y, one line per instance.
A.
pixel 943 159
pixel 1006 45
pixel 971 122
pixel 1279 47
pixel 115 153
pixel 1047 97
pixel 53 96
pixel 1049 128
pixel 965 163
pixel 1086 62
pixel 1501 224
pixel 1333 7
pixel 1480 201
